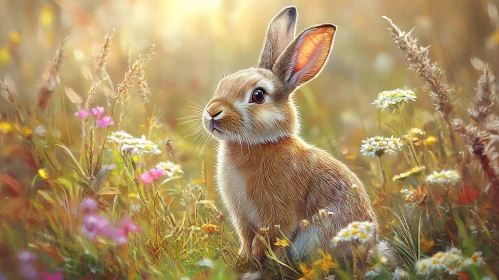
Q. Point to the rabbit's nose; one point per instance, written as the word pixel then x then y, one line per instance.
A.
pixel 215 110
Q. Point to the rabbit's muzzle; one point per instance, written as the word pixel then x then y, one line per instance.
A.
pixel 213 114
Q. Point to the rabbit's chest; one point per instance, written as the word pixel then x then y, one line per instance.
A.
pixel 253 190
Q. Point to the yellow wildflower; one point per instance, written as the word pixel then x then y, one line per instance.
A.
pixel 42 172
pixel 406 174
pixel 46 16
pixel 5 127
pixel 27 132
pixel 326 263
pixel 430 141
pixel 210 228
pixel 322 213
pixel 308 273
pixel 304 224
pixel 281 242
pixel 4 56
pixel 15 37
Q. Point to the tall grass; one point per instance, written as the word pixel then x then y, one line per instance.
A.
pixel 69 162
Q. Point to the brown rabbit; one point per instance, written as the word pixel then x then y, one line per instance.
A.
pixel 267 175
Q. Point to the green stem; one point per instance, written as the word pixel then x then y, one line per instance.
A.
pixel 383 177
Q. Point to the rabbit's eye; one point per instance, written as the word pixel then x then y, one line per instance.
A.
pixel 258 96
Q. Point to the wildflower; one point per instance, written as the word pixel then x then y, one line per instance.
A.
pixel 360 231
pixel 156 173
pixel 206 262
pixel 322 213
pixel 423 267
pixel 27 268
pixel 40 131
pixel 46 16
pixel 377 146
pixel 281 242
pixel 308 273
pixel 407 192
pixel 89 204
pixel 417 196
pixel 26 257
pixel 170 168
pixel 208 203
pixel 304 224
pixel 119 137
pixel 96 225
pixel 82 114
pixel 105 121
pixel 476 258
pixel 452 262
pixel 413 171
pixel 393 99
pixel 133 146
pixel 120 233
pixel 42 172
pixel 445 176
pixel 326 263
pixel 400 274
pixel 210 228
pixel 430 141
pixel 146 178
pixel 97 111
pixel 55 276
pixel 5 127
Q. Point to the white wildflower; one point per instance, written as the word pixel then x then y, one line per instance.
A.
pixel 170 168
pixel 355 231
pixel 407 192
pixel 452 262
pixel 40 131
pixel 445 176
pixel 377 146
pixel 134 146
pixel 400 274
pixel 393 99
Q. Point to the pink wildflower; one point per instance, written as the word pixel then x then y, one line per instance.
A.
pixel 105 121
pixel 97 111
pixel 156 173
pixel 82 114
pixel 89 204
pixel 56 276
pixel 121 232
pixel 94 225
pixel 146 178
pixel 129 226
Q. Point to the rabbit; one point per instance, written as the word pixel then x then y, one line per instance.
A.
pixel 268 177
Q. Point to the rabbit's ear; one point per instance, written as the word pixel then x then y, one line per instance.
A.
pixel 305 57
pixel 279 34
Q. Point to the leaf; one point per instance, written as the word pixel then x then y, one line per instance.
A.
pixel 73 96
pixel 109 191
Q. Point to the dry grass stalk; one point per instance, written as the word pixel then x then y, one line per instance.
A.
pixel 428 70
pixel 100 62
pixel 483 137
pixel 51 78
pixel 484 98
pixel 126 83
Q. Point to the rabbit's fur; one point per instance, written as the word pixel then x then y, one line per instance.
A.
pixel 267 175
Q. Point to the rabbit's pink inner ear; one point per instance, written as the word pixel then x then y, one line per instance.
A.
pixel 311 53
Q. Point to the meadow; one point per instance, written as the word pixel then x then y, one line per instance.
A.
pixel 105 174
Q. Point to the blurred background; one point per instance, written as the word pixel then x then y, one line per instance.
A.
pixel 196 41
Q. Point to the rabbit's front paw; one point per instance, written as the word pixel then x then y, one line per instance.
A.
pixel 258 251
